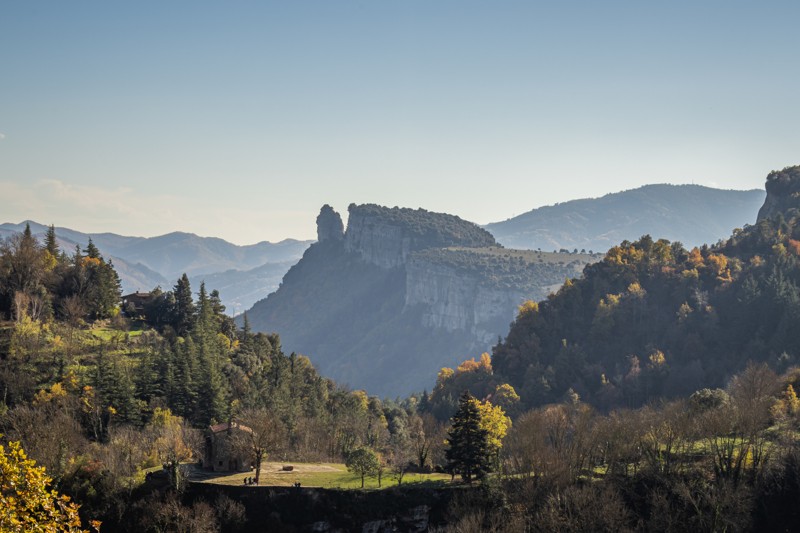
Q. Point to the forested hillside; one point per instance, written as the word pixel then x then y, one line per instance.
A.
pixel 654 393
pixel 106 398
pixel 243 273
pixel 655 319
pixel 691 214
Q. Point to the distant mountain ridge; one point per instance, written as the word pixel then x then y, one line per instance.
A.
pixel 691 214
pixel 144 262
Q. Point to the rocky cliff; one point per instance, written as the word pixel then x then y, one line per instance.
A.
pixel 403 293
pixel 783 193
pixel 329 225
pixel 478 290
pixel 386 236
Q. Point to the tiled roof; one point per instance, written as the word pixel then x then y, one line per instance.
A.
pixel 217 428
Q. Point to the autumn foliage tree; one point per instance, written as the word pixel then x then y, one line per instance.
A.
pixel 26 503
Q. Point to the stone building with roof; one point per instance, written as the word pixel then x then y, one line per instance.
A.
pixel 224 451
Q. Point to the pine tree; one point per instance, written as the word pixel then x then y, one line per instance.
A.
pixel 468 450
pixel 91 250
pixel 50 243
pixel 183 313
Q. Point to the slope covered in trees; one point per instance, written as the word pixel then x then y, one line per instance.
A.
pixel 101 400
pixel 654 319
pixel 691 214
pixel 145 262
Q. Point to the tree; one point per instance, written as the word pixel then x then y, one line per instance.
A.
pixel 261 434
pixel 184 306
pixel 27 504
pixel 50 243
pixel 364 462
pixel 494 420
pixel 91 250
pixel 468 451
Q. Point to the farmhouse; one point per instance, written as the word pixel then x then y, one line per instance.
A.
pixel 224 451
pixel 133 304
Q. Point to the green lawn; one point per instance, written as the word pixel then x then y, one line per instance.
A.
pixel 325 475
pixel 109 334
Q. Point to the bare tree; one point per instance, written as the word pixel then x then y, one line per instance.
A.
pixel 261 433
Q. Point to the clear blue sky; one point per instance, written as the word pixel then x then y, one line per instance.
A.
pixel 240 119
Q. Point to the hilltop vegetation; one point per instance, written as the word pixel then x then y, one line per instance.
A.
pixel 426 229
pixel 654 319
pixel 505 268
pixel 143 263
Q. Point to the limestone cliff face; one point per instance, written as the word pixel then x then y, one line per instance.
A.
pixel 454 301
pixel 385 236
pixel 428 289
pixel 376 241
pixel 783 192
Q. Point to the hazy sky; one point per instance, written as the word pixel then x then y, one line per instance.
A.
pixel 240 119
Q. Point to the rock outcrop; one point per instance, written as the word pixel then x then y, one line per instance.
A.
pixel 402 294
pixel 783 193
pixel 329 225
pixel 385 236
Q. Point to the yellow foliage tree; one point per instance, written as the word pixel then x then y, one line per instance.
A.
pixel 636 290
pixel 495 421
pixel 792 402
pixel 695 257
pixel 26 504
pixel 471 365
pixel 527 308
pixel 443 375
pixel 505 397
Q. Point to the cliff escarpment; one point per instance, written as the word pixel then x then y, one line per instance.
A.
pixel 401 294
pixel 783 193
pixel 386 236
pixel 478 290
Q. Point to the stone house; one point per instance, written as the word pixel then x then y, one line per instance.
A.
pixel 224 451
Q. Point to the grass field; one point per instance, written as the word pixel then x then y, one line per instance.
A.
pixel 325 475
pixel 108 334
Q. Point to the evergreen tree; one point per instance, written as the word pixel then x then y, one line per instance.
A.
pixel 183 313
pixel 91 250
pixel 50 243
pixel 468 450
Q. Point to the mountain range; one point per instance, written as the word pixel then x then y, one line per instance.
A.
pixel 243 274
pixel 403 288
pixel 427 290
pixel 691 214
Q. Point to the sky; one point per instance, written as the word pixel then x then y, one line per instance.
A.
pixel 241 119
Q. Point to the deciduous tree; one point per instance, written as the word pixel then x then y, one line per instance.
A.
pixel 364 462
pixel 26 503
